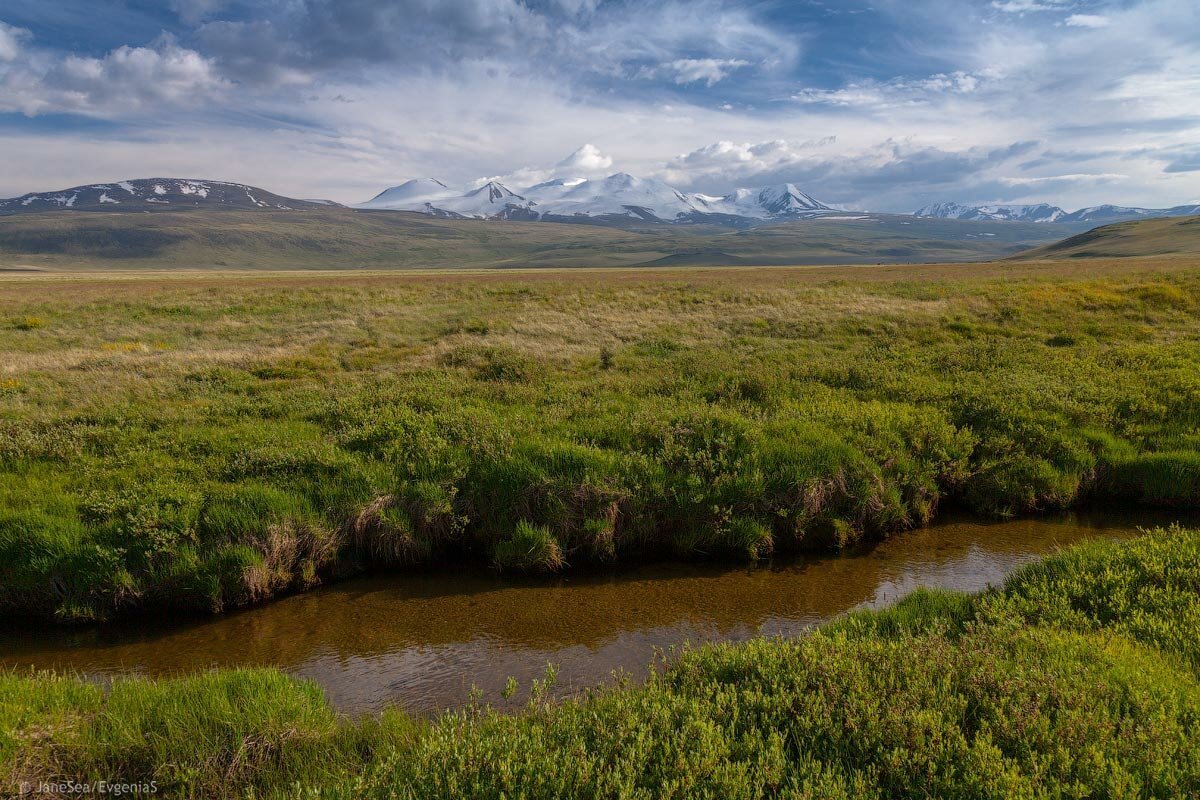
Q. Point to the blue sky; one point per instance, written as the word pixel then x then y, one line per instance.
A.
pixel 885 105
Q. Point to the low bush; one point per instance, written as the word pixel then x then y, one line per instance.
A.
pixel 1052 685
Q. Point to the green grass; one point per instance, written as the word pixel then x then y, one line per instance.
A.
pixel 204 443
pixel 352 240
pixel 1077 678
pixel 1149 237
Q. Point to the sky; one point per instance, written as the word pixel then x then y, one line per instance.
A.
pixel 882 105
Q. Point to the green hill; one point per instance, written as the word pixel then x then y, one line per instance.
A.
pixel 1144 237
pixel 341 238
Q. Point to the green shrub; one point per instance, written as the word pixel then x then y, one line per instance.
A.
pixel 531 548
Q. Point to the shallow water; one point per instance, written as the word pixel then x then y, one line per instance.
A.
pixel 422 641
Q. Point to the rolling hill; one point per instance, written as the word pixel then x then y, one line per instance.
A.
pixel 342 238
pixel 155 194
pixel 1147 237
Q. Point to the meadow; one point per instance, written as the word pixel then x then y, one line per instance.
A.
pixel 1077 678
pixel 192 443
pixel 348 239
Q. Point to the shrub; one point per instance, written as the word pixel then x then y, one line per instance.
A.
pixel 531 548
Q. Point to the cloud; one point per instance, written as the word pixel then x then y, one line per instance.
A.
pixel 1088 21
pixel 1078 177
pixel 1185 162
pixel 709 70
pixel 584 161
pixel 11 39
pixel 126 78
pixel 890 108
pixel 683 42
pixel 193 12
pixel 898 91
pixel 1021 6
pixel 881 177
pixel 587 161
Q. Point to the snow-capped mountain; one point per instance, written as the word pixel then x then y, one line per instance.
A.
pixel 617 196
pixel 152 194
pixel 412 192
pixel 1110 213
pixel 1039 212
pixel 1043 212
pixel 782 200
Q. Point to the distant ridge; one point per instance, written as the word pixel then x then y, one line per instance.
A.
pixel 618 196
pixel 1044 212
pixel 1147 237
pixel 156 194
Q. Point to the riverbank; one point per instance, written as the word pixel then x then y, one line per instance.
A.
pixel 201 443
pixel 421 642
pixel 1079 675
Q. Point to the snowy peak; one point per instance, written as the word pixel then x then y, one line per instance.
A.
pixel 781 201
pixel 618 196
pixel 787 199
pixel 1043 212
pixel 154 194
pixel 495 193
pixel 414 191
pixel 1040 212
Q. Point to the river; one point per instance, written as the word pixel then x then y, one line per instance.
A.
pixel 422 641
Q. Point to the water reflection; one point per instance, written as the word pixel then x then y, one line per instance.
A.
pixel 423 641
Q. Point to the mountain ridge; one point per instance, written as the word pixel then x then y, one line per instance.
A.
pixel 155 194
pixel 617 195
pixel 1046 213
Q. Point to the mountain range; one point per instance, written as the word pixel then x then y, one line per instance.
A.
pixel 153 194
pixel 619 196
pixel 617 200
pixel 1043 212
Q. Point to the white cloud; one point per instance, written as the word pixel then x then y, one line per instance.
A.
pixel 1088 21
pixel 11 38
pixel 709 70
pixel 452 90
pixel 725 162
pixel 881 95
pixel 194 11
pixel 586 160
pixel 126 79
pixel 1021 6
pixel 1078 177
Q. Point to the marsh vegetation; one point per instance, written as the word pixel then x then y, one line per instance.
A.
pixel 206 442
pixel 1078 677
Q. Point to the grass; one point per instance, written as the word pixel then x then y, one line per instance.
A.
pixel 1149 237
pixel 196 443
pixel 353 240
pixel 1061 683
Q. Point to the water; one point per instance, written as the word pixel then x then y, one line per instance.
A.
pixel 422 641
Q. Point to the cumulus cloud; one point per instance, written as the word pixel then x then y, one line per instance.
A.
pixel 878 177
pixel 378 89
pixel 586 160
pixel 126 78
pixel 11 39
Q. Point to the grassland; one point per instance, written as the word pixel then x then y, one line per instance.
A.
pixel 1173 236
pixel 195 442
pixel 348 240
pixel 1077 678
